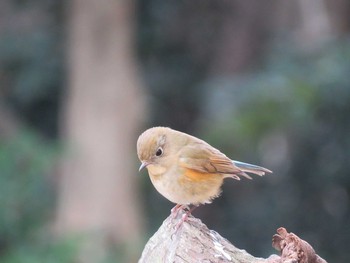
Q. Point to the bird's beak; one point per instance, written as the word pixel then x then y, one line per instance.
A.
pixel 143 165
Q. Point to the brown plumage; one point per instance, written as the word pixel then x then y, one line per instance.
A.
pixel 185 169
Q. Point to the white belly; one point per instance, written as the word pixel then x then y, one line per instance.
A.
pixel 186 192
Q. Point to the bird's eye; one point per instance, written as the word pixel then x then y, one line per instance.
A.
pixel 159 152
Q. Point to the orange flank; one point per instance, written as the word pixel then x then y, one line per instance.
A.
pixel 196 176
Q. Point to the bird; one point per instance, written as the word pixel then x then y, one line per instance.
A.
pixel 185 169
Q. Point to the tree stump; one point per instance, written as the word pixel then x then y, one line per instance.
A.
pixel 192 241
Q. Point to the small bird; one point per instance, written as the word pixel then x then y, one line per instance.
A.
pixel 187 170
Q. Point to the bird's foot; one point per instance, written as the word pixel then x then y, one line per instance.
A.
pixel 175 210
pixel 185 216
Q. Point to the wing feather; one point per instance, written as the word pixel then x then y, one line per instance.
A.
pixel 206 159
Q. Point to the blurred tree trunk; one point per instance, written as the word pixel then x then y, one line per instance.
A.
pixel 242 34
pixel 340 15
pixel 312 23
pixel 246 25
pixel 98 189
pixel 315 27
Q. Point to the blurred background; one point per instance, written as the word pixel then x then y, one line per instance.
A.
pixel 266 82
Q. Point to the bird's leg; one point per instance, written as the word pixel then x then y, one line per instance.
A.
pixel 185 216
pixel 175 210
pixel 188 213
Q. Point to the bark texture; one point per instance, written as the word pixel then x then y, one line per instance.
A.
pixel 192 241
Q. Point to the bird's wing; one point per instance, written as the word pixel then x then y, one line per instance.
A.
pixel 251 168
pixel 206 159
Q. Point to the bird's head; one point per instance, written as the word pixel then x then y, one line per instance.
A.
pixel 152 147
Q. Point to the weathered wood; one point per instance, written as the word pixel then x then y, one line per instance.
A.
pixel 192 241
pixel 294 248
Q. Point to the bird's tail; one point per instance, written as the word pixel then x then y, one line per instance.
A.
pixel 250 168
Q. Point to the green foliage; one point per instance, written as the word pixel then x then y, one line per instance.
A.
pixel 26 195
pixel 30 65
pixel 293 117
pixel 42 251
pixel 27 201
pixel 31 62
